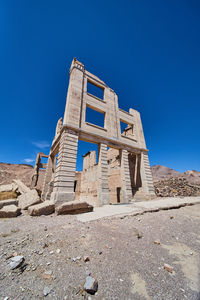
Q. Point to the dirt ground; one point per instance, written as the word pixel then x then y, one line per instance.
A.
pixel 122 256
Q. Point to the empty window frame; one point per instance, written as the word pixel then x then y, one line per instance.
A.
pixel 94 117
pixel 95 90
pixel 126 128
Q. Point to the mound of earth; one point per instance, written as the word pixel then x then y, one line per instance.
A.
pixel 171 183
pixel 176 186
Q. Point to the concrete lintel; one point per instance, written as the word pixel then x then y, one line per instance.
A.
pixel 95 138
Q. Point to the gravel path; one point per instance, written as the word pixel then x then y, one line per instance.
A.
pixel 122 256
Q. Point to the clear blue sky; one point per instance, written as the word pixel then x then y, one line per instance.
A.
pixel 147 51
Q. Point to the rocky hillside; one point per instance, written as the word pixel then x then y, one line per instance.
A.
pixel 8 172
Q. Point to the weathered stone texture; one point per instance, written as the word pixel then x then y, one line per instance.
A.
pixel 44 208
pixel 28 199
pixel 10 211
pixel 8 202
pixel 73 207
pixel 94 184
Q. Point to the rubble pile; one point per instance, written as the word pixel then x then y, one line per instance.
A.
pixel 16 199
pixel 176 186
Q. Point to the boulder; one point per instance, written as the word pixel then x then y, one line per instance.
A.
pixel 9 211
pixel 8 202
pixel 8 191
pixel 29 198
pixel 21 187
pixel 44 208
pixel 73 207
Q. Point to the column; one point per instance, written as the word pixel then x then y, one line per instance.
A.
pixel 103 190
pixel 48 176
pixel 136 170
pixel 125 177
pixel 63 190
pixel 146 176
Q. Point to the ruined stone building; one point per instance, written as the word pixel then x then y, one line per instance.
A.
pixel 121 173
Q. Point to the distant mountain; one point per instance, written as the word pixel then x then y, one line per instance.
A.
pixel 161 172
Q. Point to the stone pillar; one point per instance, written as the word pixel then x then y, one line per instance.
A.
pixel 125 177
pixel 146 176
pixel 48 176
pixel 136 170
pixel 63 190
pixel 103 190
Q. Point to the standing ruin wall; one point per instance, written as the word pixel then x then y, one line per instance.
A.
pixel 60 181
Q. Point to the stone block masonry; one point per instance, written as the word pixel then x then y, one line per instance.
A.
pixel 131 173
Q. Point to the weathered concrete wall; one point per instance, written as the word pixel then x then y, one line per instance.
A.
pixel 75 127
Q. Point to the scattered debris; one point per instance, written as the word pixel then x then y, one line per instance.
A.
pixel 46 291
pixel 45 245
pixel 88 273
pixel 156 242
pixel 47 275
pixel 86 258
pixel 138 233
pixel 168 268
pixel 58 251
pixel 16 262
pixel 91 285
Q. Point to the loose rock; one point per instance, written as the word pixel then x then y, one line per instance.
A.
pixel 156 242
pixel 10 211
pixel 168 268
pixel 16 262
pixel 46 291
pixel 86 258
pixel 91 285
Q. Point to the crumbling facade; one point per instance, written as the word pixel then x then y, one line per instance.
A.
pixel 122 172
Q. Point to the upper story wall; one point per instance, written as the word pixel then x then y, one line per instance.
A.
pixel 79 99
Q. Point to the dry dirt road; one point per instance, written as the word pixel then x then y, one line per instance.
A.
pixel 122 256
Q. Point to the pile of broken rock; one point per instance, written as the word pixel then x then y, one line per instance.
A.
pixel 16 198
pixel 176 186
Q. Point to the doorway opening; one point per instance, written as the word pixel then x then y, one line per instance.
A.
pixel 134 168
pixel 86 181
